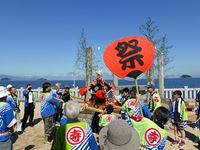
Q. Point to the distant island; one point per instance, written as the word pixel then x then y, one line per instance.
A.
pixel 5 79
pixel 41 79
pixel 186 76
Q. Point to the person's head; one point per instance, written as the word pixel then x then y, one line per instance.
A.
pixel 46 87
pixel 150 88
pixel 13 90
pixel 125 92
pixel 3 93
pixel 109 109
pixel 66 88
pixel 72 109
pixel 8 87
pixel 134 91
pixel 119 135
pixel 161 114
pixel 58 86
pixel 29 86
pixel 177 94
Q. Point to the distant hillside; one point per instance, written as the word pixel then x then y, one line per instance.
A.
pixel 5 79
pixel 41 79
pixel 186 76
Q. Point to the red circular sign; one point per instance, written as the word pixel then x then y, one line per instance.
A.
pixel 152 136
pixel 156 99
pixel 137 118
pixel 132 103
pixel 109 118
pixel 129 57
pixel 75 135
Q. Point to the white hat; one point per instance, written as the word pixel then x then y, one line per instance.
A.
pixel 99 72
pixel 3 92
pixel 9 86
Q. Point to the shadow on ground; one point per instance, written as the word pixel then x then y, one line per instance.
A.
pixel 36 121
pixel 191 136
pixel 29 147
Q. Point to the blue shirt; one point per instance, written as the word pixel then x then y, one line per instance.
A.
pixel 59 104
pixel 63 121
pixel 7 120
pixel 47 107
pixel 11 102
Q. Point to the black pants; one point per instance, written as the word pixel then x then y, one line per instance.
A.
pixel 28 113
pixel 95 123
pixel 58 115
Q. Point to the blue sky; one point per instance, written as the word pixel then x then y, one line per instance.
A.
pixel 40 37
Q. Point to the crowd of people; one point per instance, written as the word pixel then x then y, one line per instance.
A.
pixel 136 126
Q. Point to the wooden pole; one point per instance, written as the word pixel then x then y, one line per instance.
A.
pixel 160 75
pixel 88 60
pixel 136 85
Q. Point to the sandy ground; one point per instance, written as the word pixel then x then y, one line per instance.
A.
pixel 32 138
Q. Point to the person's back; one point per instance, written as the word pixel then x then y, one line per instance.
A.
pixel 7 121
pixel 6 116
pixel 76 136
pixel 151 135
pixel 134 107
pixel 105 119
pixel 11 102
pixel 47 106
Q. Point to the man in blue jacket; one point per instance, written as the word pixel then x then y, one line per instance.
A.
pixel 29 105
pixel 7 121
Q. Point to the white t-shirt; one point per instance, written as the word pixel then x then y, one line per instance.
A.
pixel 30 97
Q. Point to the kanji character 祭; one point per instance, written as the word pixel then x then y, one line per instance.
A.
pixel 128 51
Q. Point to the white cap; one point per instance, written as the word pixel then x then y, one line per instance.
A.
pixel 9 86
pixel 3 92
pixel 99 72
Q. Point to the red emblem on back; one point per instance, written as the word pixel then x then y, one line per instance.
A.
pixel 109 118
pixel 152 136
pixel 75 135
pixel 131 103
pixel 137 118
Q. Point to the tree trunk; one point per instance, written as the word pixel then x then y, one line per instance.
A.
pixel 161 75
pixel 88 65
pixel 151 75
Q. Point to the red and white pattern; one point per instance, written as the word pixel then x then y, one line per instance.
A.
pixel 75 135
pixel 132 103
pixel 137 118
pixel 156 99
pixel 109 118
pixel 152 136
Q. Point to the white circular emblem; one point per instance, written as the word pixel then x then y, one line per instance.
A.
pixel 75 135
pixel 152 136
